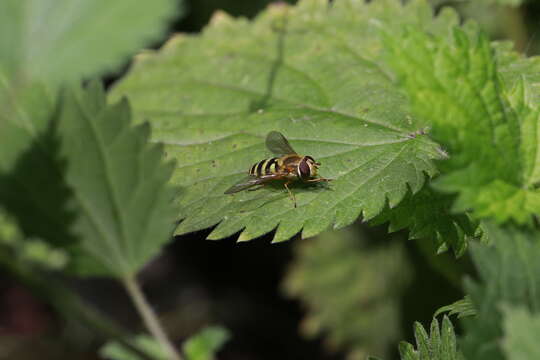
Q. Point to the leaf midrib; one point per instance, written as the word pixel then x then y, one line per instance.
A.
pixel 256 93
pixel 116 209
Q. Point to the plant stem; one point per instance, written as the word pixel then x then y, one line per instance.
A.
pixel 149 316
pixel 68 304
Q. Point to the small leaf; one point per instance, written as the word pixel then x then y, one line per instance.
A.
pixel 205 344
pixel 463 307
pixel 119 185
pixel 448 348
pixel 439 345
pixel 63 40
pixel 435 338
pixel 112 350
pixel 312 71
pixel 422 341
pixel 521 329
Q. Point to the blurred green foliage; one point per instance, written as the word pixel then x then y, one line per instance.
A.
pixel 116 351
pixel 17 251
pixel 521 329
pixel 509 274
pixel 58 41
pixel 205 344
pixel 351 287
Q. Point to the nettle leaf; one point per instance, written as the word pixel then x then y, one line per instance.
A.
pixel 314 73
pixel 57 40
pixel 440 344
pixel 370 278
pixel 513 66
pixel 114 350
pixel 32 187
pixel 119 185
pixel 509 273
pixel 427 215
pixel 461 308
pixel 453 83
pixel 521 333
pixel 206 343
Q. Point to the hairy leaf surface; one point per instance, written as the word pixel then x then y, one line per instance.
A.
pixel 440 344
pixel 485 118
pixel 461 308
pixel 427 215
pixel 314 73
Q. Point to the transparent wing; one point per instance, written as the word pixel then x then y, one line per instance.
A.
pixel 246 183
pixel 278 144
pixel 252 181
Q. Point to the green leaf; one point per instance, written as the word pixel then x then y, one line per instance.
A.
pixel 313 72
pixel 205 344
pixel 119 185
pixel 370 279
pixel 62 40
pixel 102 183
pixel 427 216
pixel 453 83
pixel 509 274
pixel 16 251
pixel 32 187
pixel 440 344
pixel 521 330
pixel 115 351
pixel 514 67
pixel 504 2
pixel 463 307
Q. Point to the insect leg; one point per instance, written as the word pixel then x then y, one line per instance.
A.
pixel 293 198
pixel 319 180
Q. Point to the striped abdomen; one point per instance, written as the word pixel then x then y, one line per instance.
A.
pixel 264 167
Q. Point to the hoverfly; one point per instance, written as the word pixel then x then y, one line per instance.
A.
pixel 289 166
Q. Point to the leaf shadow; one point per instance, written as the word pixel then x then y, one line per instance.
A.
pixel 34 191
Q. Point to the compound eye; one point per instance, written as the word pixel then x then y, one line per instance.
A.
pixel 305 171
